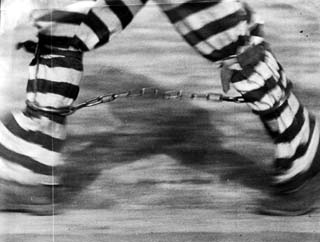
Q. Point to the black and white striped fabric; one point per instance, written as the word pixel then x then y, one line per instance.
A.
pixel 30 141
pixel 263 83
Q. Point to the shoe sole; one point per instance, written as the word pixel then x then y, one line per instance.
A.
pixel 275 212
pixel 37 210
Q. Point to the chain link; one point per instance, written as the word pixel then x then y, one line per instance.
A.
pixel 148 92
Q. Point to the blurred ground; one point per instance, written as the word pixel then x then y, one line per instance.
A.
pixel 154 170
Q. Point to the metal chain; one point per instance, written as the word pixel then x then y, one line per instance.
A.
pixel 149 92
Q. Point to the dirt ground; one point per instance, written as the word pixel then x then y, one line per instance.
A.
pixel 169 170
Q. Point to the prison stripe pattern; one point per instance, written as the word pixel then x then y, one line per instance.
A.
pixel 29 148
pixel 218 29
pixel 87 25
pixel 263 82
pixel 31 140
pixel 215 28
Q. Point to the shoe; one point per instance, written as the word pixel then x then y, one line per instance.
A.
pixel 295 197
pixel 298 202
pixel 34 200
pixel 298 196
pixel 32 209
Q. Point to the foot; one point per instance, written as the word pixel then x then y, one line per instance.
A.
pixel 38 210
pixel 295 203
pixel 297 196
pixel 35 200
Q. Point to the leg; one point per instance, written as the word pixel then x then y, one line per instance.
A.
pixel 229 32
pixel 31 140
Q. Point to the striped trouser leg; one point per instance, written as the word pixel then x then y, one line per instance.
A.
pixel 89 24
pixel 214 28
pixel 31 140
pixel 295 131
pixel 229 31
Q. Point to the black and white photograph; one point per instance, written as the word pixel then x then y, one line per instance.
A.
pixel 159 120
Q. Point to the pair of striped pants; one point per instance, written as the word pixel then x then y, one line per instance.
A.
pixel 225 31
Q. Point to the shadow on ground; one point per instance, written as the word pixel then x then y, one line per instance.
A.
pixel 148 127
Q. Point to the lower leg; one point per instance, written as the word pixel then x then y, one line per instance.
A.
pixel 31 140
pixel 230 32
pixel 258 76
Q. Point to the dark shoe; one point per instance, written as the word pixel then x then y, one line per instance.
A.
pixel 296 196
pixel 35 200
pixel 33 209
pixel 297 203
